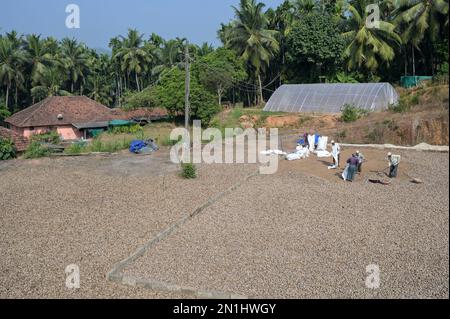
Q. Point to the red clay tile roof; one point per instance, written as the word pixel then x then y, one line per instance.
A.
pixel 20 142
pixel 74 109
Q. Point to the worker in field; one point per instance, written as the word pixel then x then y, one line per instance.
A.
pixel 361 160
pixel 306 139
pixel 317 137
pixel 352 167
pixel 336 153
pixel 394 162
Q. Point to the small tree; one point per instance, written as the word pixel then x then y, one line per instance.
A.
pixel 170 95
pixel 219 71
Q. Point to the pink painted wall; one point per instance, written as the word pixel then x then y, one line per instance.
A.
pixel 69 133
pixel 66 132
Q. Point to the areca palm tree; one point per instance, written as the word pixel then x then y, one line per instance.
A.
pixel 12 59
pixel 250 36
pixel 368 46
pixel 100 79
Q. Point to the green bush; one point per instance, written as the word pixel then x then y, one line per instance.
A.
pixel 76 148
pixel 402 106
pixel 49 137
pixel 188 171
pixel 36 150
pixel 7 149
pixel 351 113
pixel 99 146
pixel 133 129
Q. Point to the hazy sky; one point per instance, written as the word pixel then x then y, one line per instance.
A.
pixel 197 20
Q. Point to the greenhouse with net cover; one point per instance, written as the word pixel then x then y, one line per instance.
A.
pixel 330 98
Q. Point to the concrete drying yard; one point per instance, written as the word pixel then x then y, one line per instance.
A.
pixel 301 233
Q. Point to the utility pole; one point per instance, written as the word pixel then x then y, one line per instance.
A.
pixel 187 94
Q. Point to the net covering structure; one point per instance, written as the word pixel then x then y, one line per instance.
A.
pixel 330 98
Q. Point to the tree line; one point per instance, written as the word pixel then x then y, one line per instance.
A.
pixel 300 41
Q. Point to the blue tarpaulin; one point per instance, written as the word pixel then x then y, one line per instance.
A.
pixel 137 146
pixel 143 147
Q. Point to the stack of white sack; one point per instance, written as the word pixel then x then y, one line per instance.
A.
pixel 323 154
pixel 311 140
pixel 273 152
pixel 323 143
pixel 300 153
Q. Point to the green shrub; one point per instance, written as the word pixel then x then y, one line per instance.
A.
pixel 351 113
pixel 7 149
pixel 98 146
pixel 36 150
pixel 401 107
pixel 133 129
pixel 49 137
pixel 237 113
pixel 188 171
pixel 76 148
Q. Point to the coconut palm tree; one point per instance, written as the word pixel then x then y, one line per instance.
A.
pixel 305 6
pixel 12 60
pixel 74 60
pixel 251 38
pixel 205 49
pixel 38 56
pixel 369 47
pixel 420 18
pixel 51 84
pixel 168 56
pixel 133 57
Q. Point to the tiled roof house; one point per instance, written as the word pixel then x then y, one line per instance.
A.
pixel 70 116
pixel 74 117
